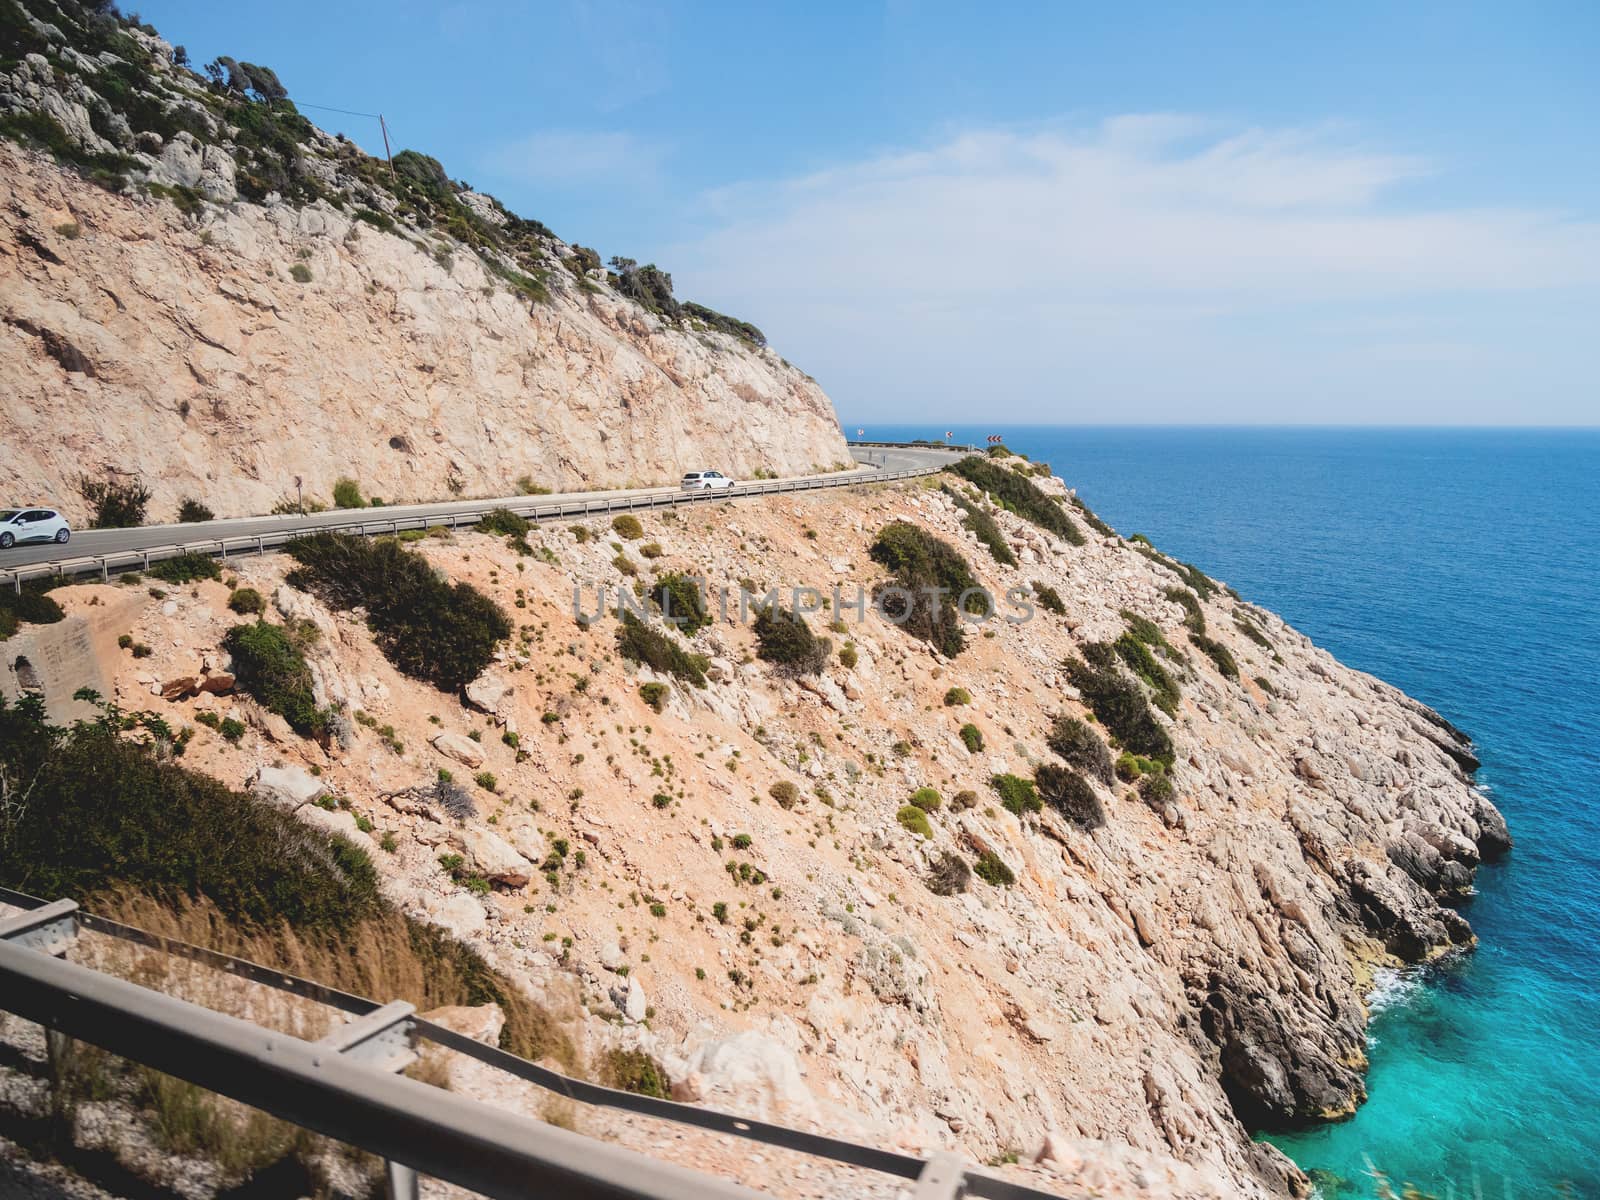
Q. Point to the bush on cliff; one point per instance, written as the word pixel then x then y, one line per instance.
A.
pixel 920 563
pixel 1217 653
pixel 1021 495
pixel 269 665
pixel 785 639
pixel 130 834
pixel 1049 598
pixel 114 503
pixel 29 606
pixel 503 520
pixel 433 630
pixel 654 648
pixel 1119 703
pixel 186 568
pixel 681 602
pixel 984 528
pixel 1070 794
pixel 1163 688
pixel 1080 747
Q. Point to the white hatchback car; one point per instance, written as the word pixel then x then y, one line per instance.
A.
pixel 696 481
pixel 19 525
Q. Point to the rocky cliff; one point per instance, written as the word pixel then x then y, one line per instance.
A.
pixel 201 289
pixel 1115 984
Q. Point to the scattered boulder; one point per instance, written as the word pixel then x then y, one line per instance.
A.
pixel 750 1073
pixel 459 747
pixel 290 788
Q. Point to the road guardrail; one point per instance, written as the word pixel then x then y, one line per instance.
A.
pixel 346 1085
pixel 104 565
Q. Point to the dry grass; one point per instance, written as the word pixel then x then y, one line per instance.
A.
pixel 385 958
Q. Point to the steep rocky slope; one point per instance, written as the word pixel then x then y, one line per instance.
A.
pixel 204 290
pixel 1194 962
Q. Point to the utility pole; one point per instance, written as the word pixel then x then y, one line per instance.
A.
pixel 386 151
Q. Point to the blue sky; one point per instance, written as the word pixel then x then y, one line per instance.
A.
pixel 1357 213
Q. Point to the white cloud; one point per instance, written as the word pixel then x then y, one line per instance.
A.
pixel 1136 249
pixel 564 158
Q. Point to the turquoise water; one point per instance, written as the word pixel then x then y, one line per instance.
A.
pixel 1464 567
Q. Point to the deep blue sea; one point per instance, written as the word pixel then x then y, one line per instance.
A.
pixel 1464 567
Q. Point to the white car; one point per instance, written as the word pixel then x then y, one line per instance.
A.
pixel 696 481
pixel 32 525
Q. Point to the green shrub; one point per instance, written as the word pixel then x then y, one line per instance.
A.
pixel 785 793
pixel 972 738
pixel 347 493
pixel 501 520
pixel 992 870
pixel 430 629
pixel 651 550
pixel 1017 794
pixel 115 503
pixel 269 666
pixel 1119 703
pixel 186 568
pixel 655 695
pixel 1265 685
pixel 1217 653
pixel 1137 655
pixel 1070 794
pixel 246 601
pixel 1094 522
pixel 302 274
pixel 527 487
pixel 964 800
pixel 927 799
pixel 652 647
pixel 625 565
pixel 31 606
pixel 110 823
pixel 919 561
pixel 915 820
pixel 1049 598
pixel 681 602
pixel 1156 788
pixel 1195 618
pixel 1248 627
pixel 627 526
pixel 848 656
pixel 784 639
pixel 957 695
pixel 192 512
pixel 1080 747
pixel 1021 495
pixel 635 1071
pixel 231 729
pixel 983 527
pixel 949 875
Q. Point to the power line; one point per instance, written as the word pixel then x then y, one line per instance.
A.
pixel 326 108
pixel 378 117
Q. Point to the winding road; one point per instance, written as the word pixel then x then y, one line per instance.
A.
pixel 105 551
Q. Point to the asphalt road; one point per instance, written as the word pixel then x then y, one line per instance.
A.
pixel 93 543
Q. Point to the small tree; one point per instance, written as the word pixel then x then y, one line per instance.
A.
pixel 785 640
pixel 116 503
pixel 192 511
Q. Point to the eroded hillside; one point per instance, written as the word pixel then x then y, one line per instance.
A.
pixel 1142 945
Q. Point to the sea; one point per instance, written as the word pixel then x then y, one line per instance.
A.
pixel 1463 566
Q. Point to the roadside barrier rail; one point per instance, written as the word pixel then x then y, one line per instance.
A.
pixel 104 565
pixel 346 1085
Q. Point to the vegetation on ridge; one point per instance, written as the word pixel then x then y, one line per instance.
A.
pixel 244 109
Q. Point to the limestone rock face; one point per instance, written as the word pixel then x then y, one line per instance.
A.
pixel 183 350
